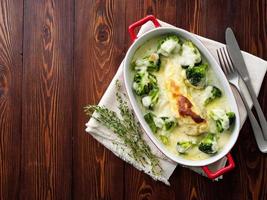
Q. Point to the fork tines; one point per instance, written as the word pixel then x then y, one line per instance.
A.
pixel 225 61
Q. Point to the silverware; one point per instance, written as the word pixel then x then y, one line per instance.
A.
pixel 234 78
pixel 239 64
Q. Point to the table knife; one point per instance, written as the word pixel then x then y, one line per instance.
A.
pixel 239 64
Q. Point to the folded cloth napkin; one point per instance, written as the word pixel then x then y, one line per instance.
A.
pixel 257 69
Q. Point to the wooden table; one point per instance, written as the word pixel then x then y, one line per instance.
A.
pixel 57 56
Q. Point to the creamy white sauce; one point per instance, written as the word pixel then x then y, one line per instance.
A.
pixel 188 57
pixel 219 114
pixel 158 122
pixel 168 47
pixel 167 105
pixel 146 101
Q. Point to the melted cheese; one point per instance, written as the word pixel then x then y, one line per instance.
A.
pixel 168 47
pixel 188 57
pixel 171 83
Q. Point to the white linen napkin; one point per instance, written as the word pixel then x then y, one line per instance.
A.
pixel 257 69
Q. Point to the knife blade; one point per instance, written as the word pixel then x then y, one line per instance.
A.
pixel 239 64
pixel 235 54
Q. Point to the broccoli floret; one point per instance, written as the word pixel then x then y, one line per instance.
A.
pixel 190 55
pixel 159 122
pixel 149 117
pixel 196 76
pixel 184 66
pixel 211 93
pixel 183 146
pixel 231 117
pixel 151 99
pixel 219 126
pixel 154 62
pixel 168 37
pixel 144 82
pixel 164 139
pixel 163 123
pixel 169 123
pixel 168 45
pixel 149 63
pixel 222 119
pixel 209 144
pixel 173 37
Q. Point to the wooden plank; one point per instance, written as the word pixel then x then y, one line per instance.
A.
pixel 10 97
pixel 210 18
pixel 245 181
pixel 99 49
pixel 47 100
pixel 137 184
pixel 251 33
pixel 41 100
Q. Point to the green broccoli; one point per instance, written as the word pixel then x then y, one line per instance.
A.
pixel 144 82
pixel 149 118
pixel 164 139
pixel 168 37
pixel 222 119
pixel 231 117
pixel 209 144
pixel 149 63
pixel 190 55
pixel 183 146
pixel 196 76
pixel 150 100
pixel 211 93
pixel 169 123
pixel 163 123
pixel 168 45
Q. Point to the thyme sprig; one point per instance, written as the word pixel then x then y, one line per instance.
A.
pixel 126 127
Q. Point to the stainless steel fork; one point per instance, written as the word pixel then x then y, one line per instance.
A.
pixel 234 78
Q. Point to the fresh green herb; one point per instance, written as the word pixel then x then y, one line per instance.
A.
pixel 127 129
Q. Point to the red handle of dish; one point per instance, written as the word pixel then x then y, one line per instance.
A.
pixel 229 167
pixel 140 23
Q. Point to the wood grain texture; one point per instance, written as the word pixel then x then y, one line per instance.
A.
pixel 10 97
pixel 99 49
pixel 137 184
pixel 47 100
pixel 57 56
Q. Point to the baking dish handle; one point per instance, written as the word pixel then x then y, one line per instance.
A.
pixel 140 23
pixel 229 167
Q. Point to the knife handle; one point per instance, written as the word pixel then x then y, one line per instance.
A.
pixel 253 121
pixel 258 109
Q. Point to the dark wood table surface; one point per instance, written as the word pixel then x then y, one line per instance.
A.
pixel 58 55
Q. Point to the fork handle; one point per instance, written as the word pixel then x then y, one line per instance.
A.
pixel 258 109
pixel 254 124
